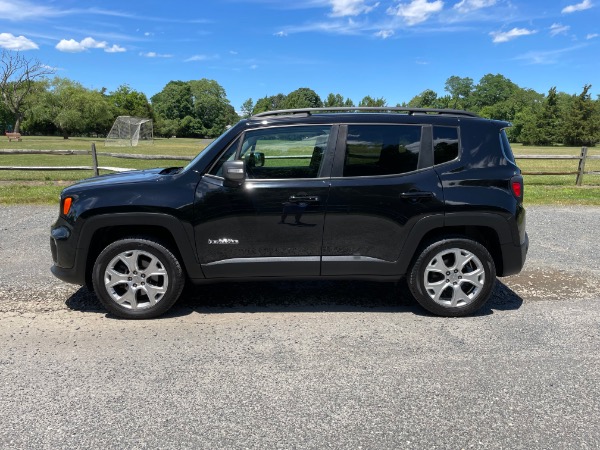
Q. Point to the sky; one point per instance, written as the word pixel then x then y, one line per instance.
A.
pixel 393 49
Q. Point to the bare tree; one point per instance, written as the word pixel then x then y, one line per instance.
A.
pixel 17 75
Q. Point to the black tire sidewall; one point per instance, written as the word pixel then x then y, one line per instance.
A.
pixel 417 274
pixel 166 257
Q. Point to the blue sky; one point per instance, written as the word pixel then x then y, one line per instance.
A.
pixel 393 49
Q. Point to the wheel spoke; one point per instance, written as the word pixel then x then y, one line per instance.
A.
pixel 155 293
pixel 129 297
pixel 114 278
pixel 458 297
pixel 437 288
pixel 476 278
pixel 155 268
pixel 462 259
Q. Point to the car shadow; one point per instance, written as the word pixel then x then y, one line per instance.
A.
pixel 299 296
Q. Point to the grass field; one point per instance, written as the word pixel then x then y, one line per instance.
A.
pixel 43 187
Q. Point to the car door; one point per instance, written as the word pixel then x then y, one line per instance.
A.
pixel 383 182
pixel 272 223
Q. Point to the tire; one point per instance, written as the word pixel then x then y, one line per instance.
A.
pixel 453 277
pixel 137 278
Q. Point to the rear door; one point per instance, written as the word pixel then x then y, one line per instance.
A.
pixel 382 183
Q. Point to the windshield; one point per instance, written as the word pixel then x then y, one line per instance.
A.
pixel 199 156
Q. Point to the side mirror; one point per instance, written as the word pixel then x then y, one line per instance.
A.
pixel 255 159
pixel 234 171
pixel 259 159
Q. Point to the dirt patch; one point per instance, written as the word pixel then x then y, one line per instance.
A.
pixel 549 284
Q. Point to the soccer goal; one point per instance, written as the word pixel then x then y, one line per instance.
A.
pixel 128 131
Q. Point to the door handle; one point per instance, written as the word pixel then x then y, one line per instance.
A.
pixel 305 199
pixel 416 195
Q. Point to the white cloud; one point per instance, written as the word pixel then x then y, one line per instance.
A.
pixel 417 11
pixel 592 36
pixel 254 66
pixel 17 43
pixel 15 10
pixel 505 36
pixel 72 46
pixel 89 42
pixel 558 28
pixel 466 6
pixel 115 49
pixel 342 8
pixel 201 58
pixel 281 34
pixel 155 55
pixel 585 4
pixel 384 34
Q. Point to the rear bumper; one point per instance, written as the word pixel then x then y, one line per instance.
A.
pixel 513 257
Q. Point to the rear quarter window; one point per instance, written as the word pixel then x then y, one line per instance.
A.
pixel 445 144
pixel 506 148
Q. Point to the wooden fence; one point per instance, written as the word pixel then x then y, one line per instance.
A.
pixel 580 172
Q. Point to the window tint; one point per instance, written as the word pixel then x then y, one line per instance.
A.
pixel 381 150
pixel 285 152
pixel 445 144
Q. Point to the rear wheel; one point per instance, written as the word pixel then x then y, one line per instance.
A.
pixel 453 277
pixel 137 278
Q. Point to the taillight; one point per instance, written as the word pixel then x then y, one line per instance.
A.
pixel 516 183
pixel 67 202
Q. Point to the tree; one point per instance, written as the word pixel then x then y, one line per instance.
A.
pixel 174 101
pixel 302 98
pixel 460 90
pixel 74 109
pixel 125 101
pixel 272 103
pixel 196 108
pixel 426 99
pixel 17 77
pixel 247 108
pixel 582 124
pixel 369 101
pixel 333 101
pixel 491 90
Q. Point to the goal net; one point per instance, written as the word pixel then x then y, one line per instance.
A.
pixel 128 131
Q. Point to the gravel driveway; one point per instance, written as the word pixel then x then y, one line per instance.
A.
pixel 304 364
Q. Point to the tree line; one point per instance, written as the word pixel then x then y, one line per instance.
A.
pixel 32 102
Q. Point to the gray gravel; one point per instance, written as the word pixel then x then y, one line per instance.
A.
pixel 304 365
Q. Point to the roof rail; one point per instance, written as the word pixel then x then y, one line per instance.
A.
pixel 398 109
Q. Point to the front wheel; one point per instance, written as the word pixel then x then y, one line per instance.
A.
pixel 137 278
pixel 453 277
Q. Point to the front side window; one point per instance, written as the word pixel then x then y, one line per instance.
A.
pixel 373 150
pixel 445 144
pixel 278 153
pixel 285 152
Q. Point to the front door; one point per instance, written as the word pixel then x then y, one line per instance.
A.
pixel 271 224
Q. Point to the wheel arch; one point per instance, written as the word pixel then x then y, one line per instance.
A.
pixel 99 231
pixel 489 229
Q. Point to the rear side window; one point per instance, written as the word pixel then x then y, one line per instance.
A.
pixel 373 150
pixel 445 144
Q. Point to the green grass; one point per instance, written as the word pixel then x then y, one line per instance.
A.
pixel 43 187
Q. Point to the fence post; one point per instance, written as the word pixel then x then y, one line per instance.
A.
pixel 581 168
pixel 95 160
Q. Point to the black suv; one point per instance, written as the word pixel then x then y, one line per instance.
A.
pixel 431 195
